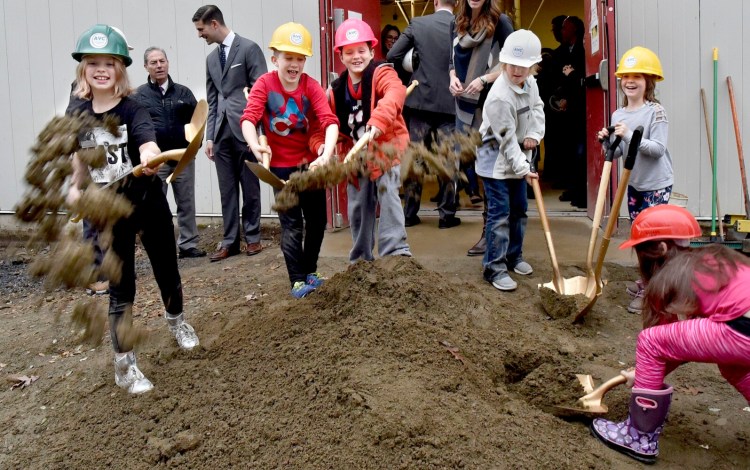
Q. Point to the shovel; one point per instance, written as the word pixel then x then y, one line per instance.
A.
pixel 592 401
pixel 583 285
pixel 194 134
pixel 137 171
pixel 261 169
pixel 588 285
pixel 557 280
pixel 635 142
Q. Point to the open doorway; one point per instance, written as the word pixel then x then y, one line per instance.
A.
pixel 564 153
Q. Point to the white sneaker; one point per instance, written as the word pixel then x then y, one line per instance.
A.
pixel 129 376
pixel 504 283
pixel 182 331
pixel 523 268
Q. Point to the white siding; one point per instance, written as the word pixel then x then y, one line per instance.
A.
pixel 683 34
pixel 36 68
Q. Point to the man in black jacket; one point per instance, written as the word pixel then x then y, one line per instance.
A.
pixel 171 106
pixel 432 111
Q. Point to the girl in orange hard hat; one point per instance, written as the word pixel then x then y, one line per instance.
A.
pixel 652 177
pixel 697 309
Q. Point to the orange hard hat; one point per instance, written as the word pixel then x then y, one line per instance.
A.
pixel 353 31
pixel 662 222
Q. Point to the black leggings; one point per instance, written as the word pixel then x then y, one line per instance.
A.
pixel 151 218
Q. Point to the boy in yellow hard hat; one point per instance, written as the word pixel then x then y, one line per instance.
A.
pixel 287 102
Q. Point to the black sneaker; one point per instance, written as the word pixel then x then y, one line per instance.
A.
pixel 192 253
pixel 449 222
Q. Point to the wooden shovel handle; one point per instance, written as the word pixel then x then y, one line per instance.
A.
pixel 411 87
pixel 174 155
pixel 361 143
pixel 738 138
pixel 599 392
pixel 622 186
pixel 265 156
pixel 557 280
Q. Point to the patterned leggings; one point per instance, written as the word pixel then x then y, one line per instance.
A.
pixel 661 349
pixel 639 200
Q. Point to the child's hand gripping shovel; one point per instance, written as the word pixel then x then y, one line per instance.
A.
pixel 635 142
pixel 262 170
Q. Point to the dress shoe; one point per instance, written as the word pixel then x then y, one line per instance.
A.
pixel 479 247
pixel 192 253
pixel 253 248
pixel 475 199
pixel 566 196
pixel 412 221
pixel 220 254
pixel 449 222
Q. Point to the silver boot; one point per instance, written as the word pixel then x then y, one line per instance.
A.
pixel 127 375
pixel 182 331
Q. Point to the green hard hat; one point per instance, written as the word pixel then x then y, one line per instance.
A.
pixel 102 39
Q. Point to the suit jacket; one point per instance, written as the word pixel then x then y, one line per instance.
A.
pixel 224 89
pixel 430 36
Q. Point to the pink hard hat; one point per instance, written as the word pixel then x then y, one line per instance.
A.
pixel 353 31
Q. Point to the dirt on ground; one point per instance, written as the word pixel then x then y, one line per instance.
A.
pixel 398 363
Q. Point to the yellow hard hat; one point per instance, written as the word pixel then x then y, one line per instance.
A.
pixel 640 60
pixel 292 37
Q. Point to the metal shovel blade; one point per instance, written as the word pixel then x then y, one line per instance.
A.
pixel 592 401
pixel 194 134
pixel 265 175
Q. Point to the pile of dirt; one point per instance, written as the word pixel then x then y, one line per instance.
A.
pixel 387 365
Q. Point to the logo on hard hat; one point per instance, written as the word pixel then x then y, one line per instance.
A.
pixel 296 38
pixel 352 34
pixel 518 51
pixel 98 40
pixel 630 61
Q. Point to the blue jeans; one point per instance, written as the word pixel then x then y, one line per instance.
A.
pixel 506 225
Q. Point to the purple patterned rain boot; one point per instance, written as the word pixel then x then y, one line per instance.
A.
pixel 638 435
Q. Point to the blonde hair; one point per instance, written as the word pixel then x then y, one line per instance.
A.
pixel 122 82
pixel 533 70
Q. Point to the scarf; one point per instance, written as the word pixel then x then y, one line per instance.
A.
pixel 485 55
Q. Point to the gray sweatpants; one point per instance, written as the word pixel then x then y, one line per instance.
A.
pixel 362 204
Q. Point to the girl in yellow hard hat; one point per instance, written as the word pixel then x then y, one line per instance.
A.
pixel 652 177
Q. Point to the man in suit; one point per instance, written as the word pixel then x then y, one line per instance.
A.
pixel 231 67
pixel 171 106
pixel 432 111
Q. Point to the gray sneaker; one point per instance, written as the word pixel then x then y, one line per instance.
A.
pixel 504 283
pixel 636 305
pixel 129 376
pixel 523 268
pixel 182 331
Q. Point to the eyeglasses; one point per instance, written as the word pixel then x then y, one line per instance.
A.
pixel 391 38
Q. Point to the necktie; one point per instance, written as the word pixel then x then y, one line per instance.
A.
pixel 222 56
